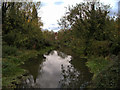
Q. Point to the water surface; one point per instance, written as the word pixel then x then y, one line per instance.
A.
pixel 56 70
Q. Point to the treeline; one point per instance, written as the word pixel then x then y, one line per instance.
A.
pixel 21 25
pixel 90 32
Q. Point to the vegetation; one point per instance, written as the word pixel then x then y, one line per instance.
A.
pixel 22 39
pixel 86 29
pixel 90 32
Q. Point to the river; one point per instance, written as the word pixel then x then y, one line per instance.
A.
pixel 56 70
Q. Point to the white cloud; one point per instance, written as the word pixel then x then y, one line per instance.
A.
pixel 50 12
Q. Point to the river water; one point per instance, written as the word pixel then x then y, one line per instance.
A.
pixel 56 70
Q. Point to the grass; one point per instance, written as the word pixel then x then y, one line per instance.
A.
pixel 97 64
pixel 10 71
pixel 106 72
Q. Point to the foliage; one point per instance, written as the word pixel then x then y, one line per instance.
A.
pixel 22 38
pixel 99 48
pixel 9 50
pixel 90 32
pixel 49 38
pixel 108 77
pixel 10 71
pixel 86 28
pixel 89 22
pixel 22 26
pixel 97 64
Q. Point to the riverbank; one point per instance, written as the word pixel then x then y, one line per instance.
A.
pixel 13 58
pixel 106 70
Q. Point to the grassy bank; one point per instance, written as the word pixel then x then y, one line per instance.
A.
pixel 12 59
pixel 106 71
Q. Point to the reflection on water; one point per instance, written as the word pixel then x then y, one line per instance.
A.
pixel 73 78
pixel 55 71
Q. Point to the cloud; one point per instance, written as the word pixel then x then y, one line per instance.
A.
pixel 114 9
pixel 119 5
pixel 43 4
pixel 53 10
pixel 54 28
pixel 58 3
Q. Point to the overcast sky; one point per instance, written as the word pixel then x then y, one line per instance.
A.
pixel 53 10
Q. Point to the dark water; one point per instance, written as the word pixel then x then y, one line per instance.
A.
pixel 56 70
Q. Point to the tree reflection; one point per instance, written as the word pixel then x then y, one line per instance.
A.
pixel 69 77
pixel 62 55
pixel 32 66
pixel 72 78
pixel 29 82
pixel 57 70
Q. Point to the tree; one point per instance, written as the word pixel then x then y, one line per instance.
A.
pixel 88 21
pixel 34 13
pixel 21 26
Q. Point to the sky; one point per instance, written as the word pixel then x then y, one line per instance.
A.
pixel 53 10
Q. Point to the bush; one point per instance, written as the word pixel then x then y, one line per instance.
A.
pixel 115 48
pixel 97 64
pixel 9 38
pixel 100 48
pixel 108 76
pixel 9 50
pixel 10 71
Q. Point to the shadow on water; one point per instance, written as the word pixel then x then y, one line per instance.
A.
pixel 56 70
pixel 76 75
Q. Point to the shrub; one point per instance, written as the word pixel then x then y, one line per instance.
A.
pixel 9 50
pixel 109 76
pixel 97 64
pixel 10 71
pixel 9 38
pixel 100 48
pixel 115 48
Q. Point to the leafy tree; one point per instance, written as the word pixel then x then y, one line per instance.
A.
pixel 23 26
pixel 88 22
